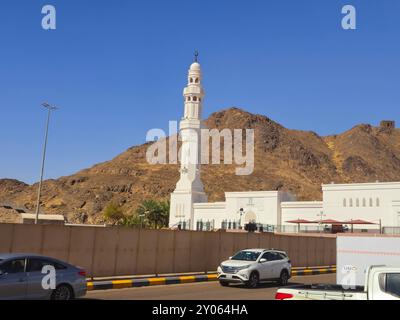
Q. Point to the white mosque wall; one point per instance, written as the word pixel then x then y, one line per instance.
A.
pixel 307 210
pixel 367 201
pixel 260 206
pixel 210 211
pixel 181 208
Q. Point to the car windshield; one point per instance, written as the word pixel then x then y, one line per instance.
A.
pixel 246 256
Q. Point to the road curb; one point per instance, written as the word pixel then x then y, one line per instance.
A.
pixel 313 271
pixel 146 282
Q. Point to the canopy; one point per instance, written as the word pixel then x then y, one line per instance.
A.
pixel 329 221
pixel 358 221
pixel 300 221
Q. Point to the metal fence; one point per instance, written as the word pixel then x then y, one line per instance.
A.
pixel 230 224
pixel 205 225
pixel 391 230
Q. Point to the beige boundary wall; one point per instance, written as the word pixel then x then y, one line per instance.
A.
pixel 117 251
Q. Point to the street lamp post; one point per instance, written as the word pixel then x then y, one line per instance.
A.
pixel 49 108
pixel 321 215
pixel 241 211
pixel 141 216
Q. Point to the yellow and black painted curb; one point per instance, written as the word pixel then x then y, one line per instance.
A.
pixel 132 283
pixel 145 282
pixel 313 271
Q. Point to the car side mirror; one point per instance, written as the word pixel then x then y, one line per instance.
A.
pixel 263 260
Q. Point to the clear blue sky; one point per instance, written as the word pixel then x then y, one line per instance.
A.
pixel 117 69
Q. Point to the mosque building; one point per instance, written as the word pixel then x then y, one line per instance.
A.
pixel 377 202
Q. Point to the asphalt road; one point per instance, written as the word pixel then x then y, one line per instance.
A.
pixel 204 291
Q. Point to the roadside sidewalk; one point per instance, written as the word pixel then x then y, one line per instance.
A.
pixel 132 282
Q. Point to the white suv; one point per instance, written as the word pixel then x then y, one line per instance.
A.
pixel 251 266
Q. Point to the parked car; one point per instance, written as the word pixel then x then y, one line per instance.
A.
pixel 21 278
pixel 251 266
pixel 381 283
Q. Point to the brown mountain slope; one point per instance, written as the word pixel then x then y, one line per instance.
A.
pixel 292 160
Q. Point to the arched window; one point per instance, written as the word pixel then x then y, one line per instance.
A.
pixel 350 202
pixel 357 202
pixel 377 202
pixel 344 202
pixel 191 80
pixel 188 98
pixel 194 98
pixel 196 80
pixel 364 202
pixel 370 202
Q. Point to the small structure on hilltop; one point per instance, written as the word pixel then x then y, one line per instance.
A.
pixel 387 124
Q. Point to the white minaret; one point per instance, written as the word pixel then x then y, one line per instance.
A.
pixel 189 188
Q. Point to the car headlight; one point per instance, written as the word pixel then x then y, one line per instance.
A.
pixel 243 267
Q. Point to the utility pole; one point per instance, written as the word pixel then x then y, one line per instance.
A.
pixel 141 216
pixel 49 108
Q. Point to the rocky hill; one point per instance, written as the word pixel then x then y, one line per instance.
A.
pixel 293 160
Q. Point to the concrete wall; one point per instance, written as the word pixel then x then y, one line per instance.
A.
pixel 124 251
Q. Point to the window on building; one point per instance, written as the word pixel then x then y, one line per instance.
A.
pixel 377 202
pixel 370 202
pixel 194 98
pixel 357 202
pixel 191 80
pixel 344 202
pixel 364 203
pixel 350 202
pixel 196 80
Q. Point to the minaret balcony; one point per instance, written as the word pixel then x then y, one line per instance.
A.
pixel 193 90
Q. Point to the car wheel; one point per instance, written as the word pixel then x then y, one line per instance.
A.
pixel 224 283
pixel 62 292
pixel 253 280
pixel 284 278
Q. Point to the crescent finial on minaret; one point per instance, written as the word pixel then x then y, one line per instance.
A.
pixel 196 56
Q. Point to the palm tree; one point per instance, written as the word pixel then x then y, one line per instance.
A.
pixel 164 212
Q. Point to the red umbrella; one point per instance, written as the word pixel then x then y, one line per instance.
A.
pixel 358 221
pixel 299 222
pixel 329 221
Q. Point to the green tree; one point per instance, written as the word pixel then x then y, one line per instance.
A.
pixel 113 213
pixel 134 221
pixel 155 213
pixel 165 207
